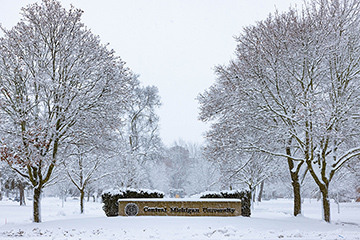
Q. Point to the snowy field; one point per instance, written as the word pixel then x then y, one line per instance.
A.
pixel 270 220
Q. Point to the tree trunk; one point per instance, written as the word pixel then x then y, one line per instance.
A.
pixel 294 174
pixel 261 191
pixel 36 205
pixel 324 189
pixel 325 203
pixel 22 194
pixel 297 196
pixel 82 196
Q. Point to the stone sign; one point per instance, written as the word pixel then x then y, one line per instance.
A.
pixel 181 207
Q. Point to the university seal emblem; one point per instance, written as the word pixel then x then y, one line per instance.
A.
pixel 131 209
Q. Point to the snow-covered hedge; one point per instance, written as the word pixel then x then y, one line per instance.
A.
pixel 110 198
pixel 244 196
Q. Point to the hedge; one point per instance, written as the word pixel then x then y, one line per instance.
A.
pixel 244 196
pixel 110 198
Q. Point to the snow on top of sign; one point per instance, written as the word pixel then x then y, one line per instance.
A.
pixel 214 192
pixel 121 191
pixel 179 200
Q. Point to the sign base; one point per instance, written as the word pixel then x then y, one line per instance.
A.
pixel 179 207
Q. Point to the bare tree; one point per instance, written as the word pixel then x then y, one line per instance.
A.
pixel 143 122
pixel 82 168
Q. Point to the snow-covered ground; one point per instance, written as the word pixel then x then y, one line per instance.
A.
pixel 270 220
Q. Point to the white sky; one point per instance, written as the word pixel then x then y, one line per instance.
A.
pixel 172 44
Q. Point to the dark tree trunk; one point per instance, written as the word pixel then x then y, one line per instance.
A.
pixel 324 189
pixel 82 196
pixel 36 205
pixel 294 174
pixel 296 190
pixel 325 203
pixel 297 196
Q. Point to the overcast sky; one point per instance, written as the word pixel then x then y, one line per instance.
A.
pixel 172 44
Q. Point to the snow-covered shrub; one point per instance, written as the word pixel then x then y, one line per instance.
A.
pixel 244 196
pixel 110 198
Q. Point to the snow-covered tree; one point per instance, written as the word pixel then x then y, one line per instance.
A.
pixel 293 92
pixel 353 167
pixel 54 73
pixel 157 172
pixel 178 163
pixel 82 168
pixel 143 123
pixel 142 129
pixel 204 174
pixel 184 166
pixel 11 181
